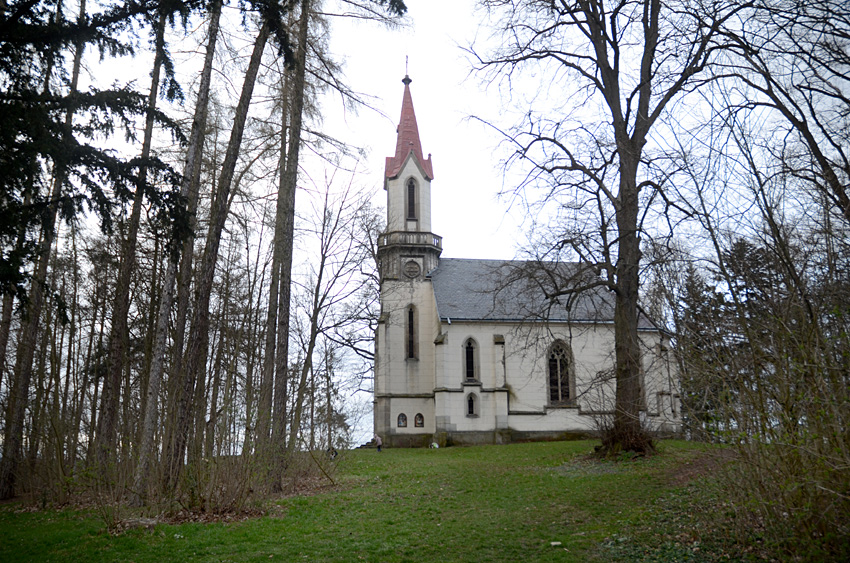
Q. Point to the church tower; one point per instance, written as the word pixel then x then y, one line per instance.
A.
pixel 408 244
pixel 408 325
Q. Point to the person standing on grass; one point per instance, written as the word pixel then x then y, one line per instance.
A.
pixel 378 442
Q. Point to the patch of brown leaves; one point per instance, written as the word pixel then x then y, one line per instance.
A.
pixel 701 464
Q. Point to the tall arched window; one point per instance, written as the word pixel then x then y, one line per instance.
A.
pixel 411 199
pixel 470 360
pixel 560 389
pixel 410 333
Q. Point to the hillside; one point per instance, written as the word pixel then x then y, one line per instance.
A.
pixel 523 502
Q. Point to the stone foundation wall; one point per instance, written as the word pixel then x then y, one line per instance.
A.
pixel 444 439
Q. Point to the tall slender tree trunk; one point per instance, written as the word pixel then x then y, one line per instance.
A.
pixel 199 336
pixel 191 180
pixel 329 357
pixel 254 328
pixel 37 408
pixel 118 335
pixel 307 367
pixel 8 302
pixel 288 182
pixel 80 396
pixel 150 335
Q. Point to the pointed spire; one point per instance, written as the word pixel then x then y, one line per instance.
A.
pixel 408 138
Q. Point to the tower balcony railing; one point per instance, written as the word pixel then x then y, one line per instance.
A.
pixel 410 238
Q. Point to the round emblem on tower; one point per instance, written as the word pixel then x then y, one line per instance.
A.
pixel 412 269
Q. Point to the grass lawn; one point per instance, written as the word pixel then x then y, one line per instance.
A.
pixel 489 503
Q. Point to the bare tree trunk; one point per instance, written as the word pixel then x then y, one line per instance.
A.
pixel 95 413
pixel 191 180
pixel 313 410
pixel 150 336
pixel 329 396
pixel 71 370
pixel 54 433
pixel 251 351
pixel 206 429
pixel 628 431
pixel 37 408
pixel 199 336
pixel 80 396
pixel 288 181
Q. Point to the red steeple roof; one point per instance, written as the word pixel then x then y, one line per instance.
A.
pixel 408 139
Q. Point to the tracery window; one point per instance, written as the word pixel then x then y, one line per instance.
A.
pixel 402 420
pixel 419 420
pixel 560 389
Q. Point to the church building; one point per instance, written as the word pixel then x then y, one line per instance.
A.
pixel 478 351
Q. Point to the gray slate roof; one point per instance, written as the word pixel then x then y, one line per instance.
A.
pixel 499 290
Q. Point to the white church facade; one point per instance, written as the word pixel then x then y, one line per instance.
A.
pixel 473 352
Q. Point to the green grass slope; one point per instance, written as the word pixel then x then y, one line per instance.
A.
pixel 523 502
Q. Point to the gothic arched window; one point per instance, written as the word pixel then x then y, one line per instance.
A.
pixel 472 405
pixel 470 360
pixel 410 197
pixel 410 333
pixel 560 384
pixel 402 420
pixel 419 420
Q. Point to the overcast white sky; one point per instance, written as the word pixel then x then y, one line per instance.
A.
pixel 473 222
pixel 465 208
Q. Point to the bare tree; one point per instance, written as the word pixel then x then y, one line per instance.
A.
pixel 199 337
pixel 793 58
pixel 330 284
pixel 612 70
